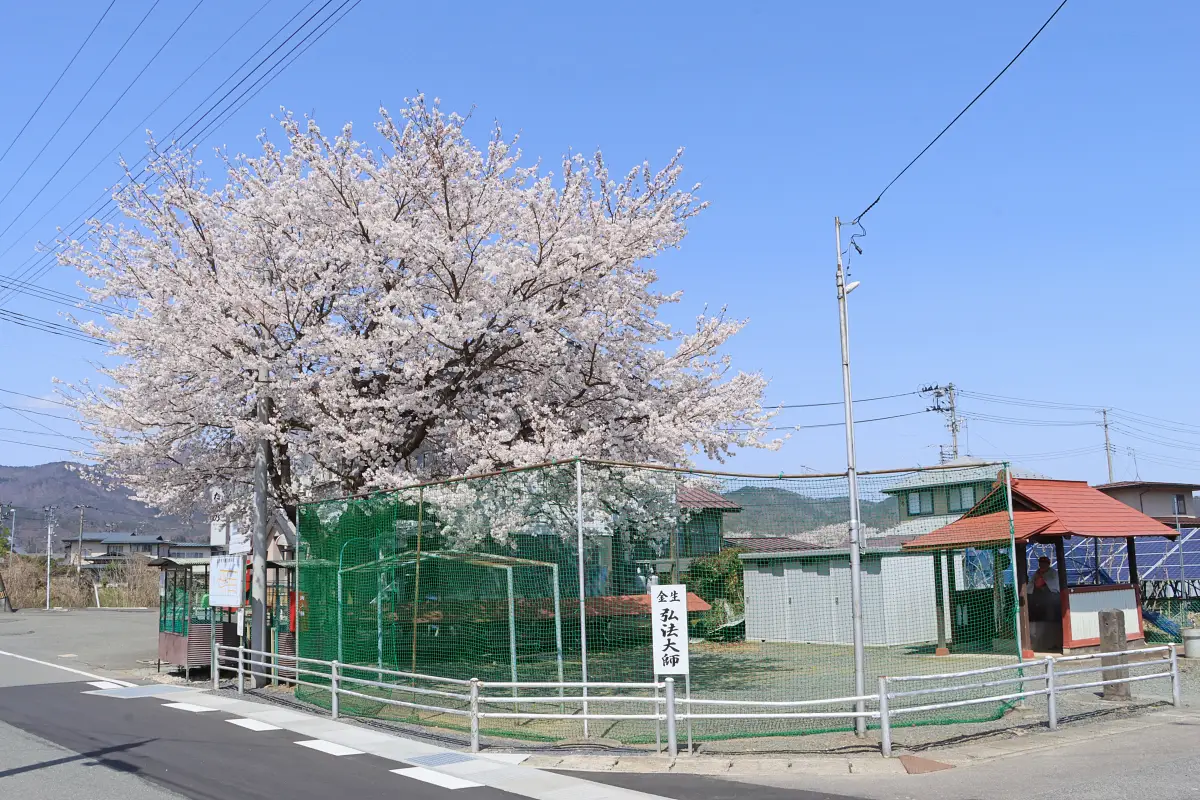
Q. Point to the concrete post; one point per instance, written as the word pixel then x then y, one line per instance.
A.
pixel 1113 640
pixel 1051 696
pixel 334 688
pixel 885 720
pixel 474 715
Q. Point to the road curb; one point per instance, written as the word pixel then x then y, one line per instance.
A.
pixel 723 766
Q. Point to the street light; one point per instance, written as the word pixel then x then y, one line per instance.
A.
pixel 860 685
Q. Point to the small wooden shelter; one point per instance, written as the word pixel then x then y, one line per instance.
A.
pixel 1049 512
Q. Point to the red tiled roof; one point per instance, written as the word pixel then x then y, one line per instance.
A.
pixel 1086 511
pixel 986 529
pixel 769 544
pixel 697 498
pixel 1055 508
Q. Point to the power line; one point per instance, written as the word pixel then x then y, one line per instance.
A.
pixel 24 411
pixel 78 102
pixel 140 126
pixel 45 433
pixel 96 126
pixel 57 80
pixel 54 296
pixel 44 326
pixel 960 113
pixel 1019 401
pixel 47 261
pixel 49 447
pixel 1057 423
pixel 839 402
pixel 834 424
pixel 34 397
pixel 1114 411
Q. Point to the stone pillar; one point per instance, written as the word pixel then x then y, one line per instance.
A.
pixel 1112 639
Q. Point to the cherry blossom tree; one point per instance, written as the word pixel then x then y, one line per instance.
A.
pixel 406 311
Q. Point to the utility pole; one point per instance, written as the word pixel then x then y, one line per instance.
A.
pixel 49 533
pixel 860 686
pixel 12 533
pixel 79 555
pixel 953 423
pixel 258 576
pixel 1107 444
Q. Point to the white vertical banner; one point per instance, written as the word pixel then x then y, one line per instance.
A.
pixel 668 606
pixel 239 539
pixel 225 580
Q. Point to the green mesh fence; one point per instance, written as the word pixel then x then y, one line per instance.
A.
pixel 480 578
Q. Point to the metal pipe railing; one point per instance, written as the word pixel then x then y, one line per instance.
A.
pixel 666 705
pixel 1051 675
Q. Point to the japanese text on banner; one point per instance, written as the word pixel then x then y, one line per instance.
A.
pixel 668 605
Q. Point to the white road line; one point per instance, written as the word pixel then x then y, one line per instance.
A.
pixel 104 684
pixel 436 778
pixel 195 709
pixel 64 669
pixel 254 725
pixel 330 747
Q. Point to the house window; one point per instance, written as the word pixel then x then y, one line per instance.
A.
pixel 1180 505
pixel 962 498
pixel 920 503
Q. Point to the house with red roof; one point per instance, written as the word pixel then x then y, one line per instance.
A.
pixel 1059 616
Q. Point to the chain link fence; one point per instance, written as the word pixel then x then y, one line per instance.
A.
pixel 544 574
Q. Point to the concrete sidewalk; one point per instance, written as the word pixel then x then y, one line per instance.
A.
pixel 971 749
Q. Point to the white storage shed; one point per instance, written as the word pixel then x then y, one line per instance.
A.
pixel 804 596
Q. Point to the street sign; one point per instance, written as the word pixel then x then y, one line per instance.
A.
pixel 225 575
pixel 668 607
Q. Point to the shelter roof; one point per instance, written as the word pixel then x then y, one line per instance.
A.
pixel 1044 508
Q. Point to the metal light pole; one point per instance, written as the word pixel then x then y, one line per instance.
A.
pixel 860 683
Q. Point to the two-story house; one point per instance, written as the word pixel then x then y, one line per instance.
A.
pixel 102 546
pixel 1167 502
pixel 933 498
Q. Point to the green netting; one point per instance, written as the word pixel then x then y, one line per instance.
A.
pixel 480 578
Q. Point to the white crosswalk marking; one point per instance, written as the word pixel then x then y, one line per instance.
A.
pixel 105 684
pixel 330 747
pixel 253 725
pixel 436 778
pixel 195 709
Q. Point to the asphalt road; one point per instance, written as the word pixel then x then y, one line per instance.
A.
pixel 200 756
pixel 57 740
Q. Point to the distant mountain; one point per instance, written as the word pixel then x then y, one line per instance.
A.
pixel 773 511
pixel 31 489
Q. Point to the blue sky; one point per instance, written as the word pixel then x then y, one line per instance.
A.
pixel 1044 249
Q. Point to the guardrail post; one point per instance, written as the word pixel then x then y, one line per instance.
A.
pixel 1051 697
pixel 1175 694
pixel 241 669
pixel 474 715
pixel 672 737
pixel 216 678
pixel 885 720
pixel 334 687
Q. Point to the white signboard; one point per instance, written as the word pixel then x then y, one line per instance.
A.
pixel 225 575
pixel 218 533
pixel 239 540
pixel 668 605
